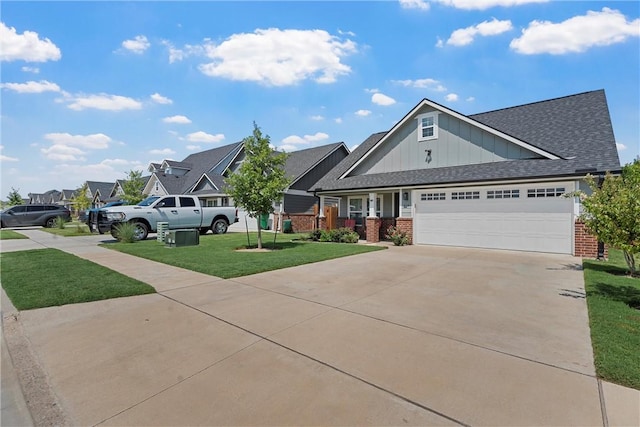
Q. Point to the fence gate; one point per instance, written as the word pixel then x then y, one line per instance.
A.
pixel 331 214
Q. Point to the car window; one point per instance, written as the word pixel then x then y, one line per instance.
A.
pixel 187 202
pixel 35 208
pixel 167 202
pixel 17 209
pixel 51 208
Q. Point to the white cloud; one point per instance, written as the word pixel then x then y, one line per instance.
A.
pixel 346 33
pixel 452 97
pixel 96 141
pixel 26 46
pixel 381 99
pixel 64 153
pixel 295 139
pixel 374 90
pixel 430 84
pixel 338 120
pixel 286 148
pixel 201 136
pixel 176 54
pixel 116 162
pixel 104 101
pixel 486 4
pixel 279 57
pixel 4 158
pixel 362 113
pixel 317 118
pixel 440 42
pixel 32 87
pixel 576 34
pixel 465 36
pixel 414 4
pixel 470 99
pixel 34 70
pixel 182 120
pixel 163 152
pixel 159 99
pixel 620 146
pixel 191 147
pixel 136 45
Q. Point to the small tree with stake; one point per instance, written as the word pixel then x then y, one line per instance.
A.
pixel 260 180
pixel 612 212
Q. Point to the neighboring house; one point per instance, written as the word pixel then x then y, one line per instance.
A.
pixel 304 168
pixel 489 180
pixel 66 200
pixel 99 192
pixel 49 197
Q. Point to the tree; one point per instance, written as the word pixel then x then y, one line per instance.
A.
pixel 81 199
pixel 14 197
pixel 260 180
pixel 612 211
pixel 132 187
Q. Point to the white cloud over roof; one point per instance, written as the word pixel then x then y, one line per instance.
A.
pixel 430 84
pixel 103 101
pixel 159 99
pixel 486 4
pixel 32 87
pixel 382 99
pixel 182 120
pixel 27 46
pixel 201 136
pixel 576 34
pixel 465 36
pixel 278 57
pixel 415 4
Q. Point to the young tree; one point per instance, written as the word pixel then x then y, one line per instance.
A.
pixel 260 180
pixel 133 186
pixel 14 197
pixel 81 199
pixel 612 211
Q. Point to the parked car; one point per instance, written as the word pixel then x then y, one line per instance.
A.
pixel 29 215
pixel 85 216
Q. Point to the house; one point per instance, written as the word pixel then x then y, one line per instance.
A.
pixel 488 180
pixel 99 192
pixel 304 168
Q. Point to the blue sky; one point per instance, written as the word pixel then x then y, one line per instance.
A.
pixel 91 90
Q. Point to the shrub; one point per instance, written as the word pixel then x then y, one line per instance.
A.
pixel 60 222
pixel 125 232
pixel 315 235
pixel 81 228
pixel 397 236
pixel 339 235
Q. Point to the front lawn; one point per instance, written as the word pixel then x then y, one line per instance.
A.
pixel 10 234
pixel 217 254
pixel 71 229
pixel 49 277
pixel 613 299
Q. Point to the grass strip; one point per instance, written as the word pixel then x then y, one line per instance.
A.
pixel 10 234
pixel 217 254
pixel 49 277
pixel 613 299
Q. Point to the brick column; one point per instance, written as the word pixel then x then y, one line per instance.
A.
pixel 322 223
pixel 586 245
pixel 373 229
pixel 405 224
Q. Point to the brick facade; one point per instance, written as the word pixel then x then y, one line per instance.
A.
pixel 406 225
pixel 373 229
pixel 300 223
pixel 586 245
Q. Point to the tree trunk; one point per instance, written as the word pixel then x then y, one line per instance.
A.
pixel 259 234
pixel 631 263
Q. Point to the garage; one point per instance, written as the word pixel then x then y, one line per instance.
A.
pixel 526 218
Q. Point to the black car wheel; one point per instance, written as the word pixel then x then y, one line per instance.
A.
pixel 50 223
pixel 142 231
pixel 219 226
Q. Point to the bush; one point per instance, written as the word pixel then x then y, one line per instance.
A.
pixel 339 235
pixel 60 222
pixel 82 228
pixel 125 232
pixel 397 236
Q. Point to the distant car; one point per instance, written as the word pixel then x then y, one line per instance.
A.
pixel 86 215
pixel 29 215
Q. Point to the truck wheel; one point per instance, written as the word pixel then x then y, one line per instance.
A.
pixel 142 231
pixel 219 226
pixel 50 223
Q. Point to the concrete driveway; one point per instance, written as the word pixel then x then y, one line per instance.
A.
pixel 407 336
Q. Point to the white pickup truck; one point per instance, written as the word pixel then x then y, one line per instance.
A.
pixel 179 211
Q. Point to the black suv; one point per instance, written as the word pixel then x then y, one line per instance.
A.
pixel 25 215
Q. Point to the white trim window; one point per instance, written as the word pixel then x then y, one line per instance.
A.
pixel 427 126
pixel 355 209
pixel 377 207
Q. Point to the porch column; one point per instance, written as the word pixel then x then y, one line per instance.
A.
pixel 373 222
pixel 321 209
pixel 372 205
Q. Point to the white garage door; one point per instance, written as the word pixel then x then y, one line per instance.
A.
pixel 244 222
pixel 517 218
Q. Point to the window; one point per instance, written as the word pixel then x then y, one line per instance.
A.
pixel 167 202
pixel 355 209
pixel 433 196
pixel 503 194
pixel 427 126
pixel 377 207
pixel 187 202
pixel 465 195
pixel 545 192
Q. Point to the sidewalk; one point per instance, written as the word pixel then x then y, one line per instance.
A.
pixel 236 346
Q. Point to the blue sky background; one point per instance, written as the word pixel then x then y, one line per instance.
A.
pixel 91 90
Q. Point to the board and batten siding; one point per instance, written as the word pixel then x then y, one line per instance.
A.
pixel 320 170
pixel 458 143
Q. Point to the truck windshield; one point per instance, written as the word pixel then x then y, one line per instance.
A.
pixel 148 201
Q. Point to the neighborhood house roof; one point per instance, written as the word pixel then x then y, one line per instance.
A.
pixel 301 161
pixel 576 128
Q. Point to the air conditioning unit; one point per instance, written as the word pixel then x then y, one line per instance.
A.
pixel 182 237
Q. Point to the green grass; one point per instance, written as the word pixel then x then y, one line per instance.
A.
pixel 217 255
pixel 49 277
pixel 613 299
pixel 10 234
pixel 70 229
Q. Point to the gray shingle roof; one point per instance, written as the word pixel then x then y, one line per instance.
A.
pixel 301 161
pixel 203 162
pixel 103 187
pixel 577 128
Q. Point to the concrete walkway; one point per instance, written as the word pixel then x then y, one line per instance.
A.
pixel 413 335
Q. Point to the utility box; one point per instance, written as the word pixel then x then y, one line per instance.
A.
pixel 182 237
pixel 162 229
